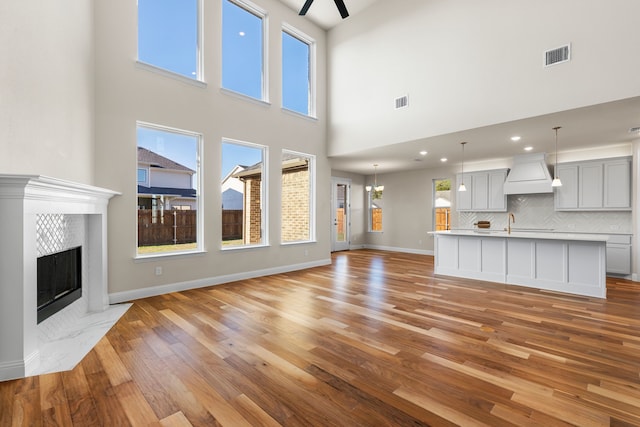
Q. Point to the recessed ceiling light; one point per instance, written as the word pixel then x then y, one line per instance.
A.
pixel 528 148
pixel 515 138
pixel 423 153
pixel 242 33
pixel 444 159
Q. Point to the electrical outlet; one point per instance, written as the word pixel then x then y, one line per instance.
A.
pixel 420 241
pixel 158 271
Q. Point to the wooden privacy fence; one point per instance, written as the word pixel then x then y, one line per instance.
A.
pixel 167 228
pixel 231 224
pixel 176 227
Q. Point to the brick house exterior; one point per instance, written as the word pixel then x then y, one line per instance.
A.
pixel 295 201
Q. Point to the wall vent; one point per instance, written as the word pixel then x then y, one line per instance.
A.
pixel 558 55
pixel 402 102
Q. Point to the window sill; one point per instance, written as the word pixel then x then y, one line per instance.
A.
pixel 170 74
pixel 298 114
pixel 240 247
pixel 155 257
pixel 297 242
pixel 245 97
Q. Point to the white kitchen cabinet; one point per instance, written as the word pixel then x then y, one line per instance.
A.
pixel 594 185
pixel 619 254
pixel 480 191
pixel 590 180
pixel 566 197
pixel 484 193
pixel 617 183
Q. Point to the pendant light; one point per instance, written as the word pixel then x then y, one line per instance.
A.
pixel 556 181
pixel 462 187
pixel 377 189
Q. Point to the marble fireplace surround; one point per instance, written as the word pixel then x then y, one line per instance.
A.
pixel 59 342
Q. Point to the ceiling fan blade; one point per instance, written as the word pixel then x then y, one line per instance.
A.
pixel 305 8
pixel 342 8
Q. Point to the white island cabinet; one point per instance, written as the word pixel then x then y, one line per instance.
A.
pixel 563 262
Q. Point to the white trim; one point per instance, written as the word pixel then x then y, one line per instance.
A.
pixel 261 13
pixel 244 97
pixel 308 40
pixel 311 167
pixel 119 297
pixel 199 193
pixel 264 190
pixel 396 249
pixel 170 74
pixel 298 114
pixel 18 368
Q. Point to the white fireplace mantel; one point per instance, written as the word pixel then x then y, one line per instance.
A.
pixel 22 199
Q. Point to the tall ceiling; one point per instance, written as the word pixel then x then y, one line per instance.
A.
pixel 599 126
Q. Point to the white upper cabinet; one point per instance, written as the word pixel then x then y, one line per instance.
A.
pixel 617 184
pixel 590 180
pixel 484 193
pixel 595 185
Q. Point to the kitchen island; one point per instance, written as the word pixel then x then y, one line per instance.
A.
pixel 563 262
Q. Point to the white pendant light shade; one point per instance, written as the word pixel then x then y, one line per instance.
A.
pixel 462 187
pixel 556 181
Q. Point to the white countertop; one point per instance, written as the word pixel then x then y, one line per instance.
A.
pixel 525 235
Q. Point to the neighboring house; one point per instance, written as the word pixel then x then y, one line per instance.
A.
pixel 232 190
pixel 164 184
pixel 295 200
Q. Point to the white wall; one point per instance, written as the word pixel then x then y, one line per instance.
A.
pixel 126 93
pixel 468 63
pixel 47 88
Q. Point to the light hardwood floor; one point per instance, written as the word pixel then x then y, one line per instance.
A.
pixel 375 339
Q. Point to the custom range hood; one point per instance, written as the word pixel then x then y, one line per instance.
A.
pixel 528 175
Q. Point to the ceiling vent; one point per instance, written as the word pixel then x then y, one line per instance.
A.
pixel 634 129
pixel 558 55
pixel 402 102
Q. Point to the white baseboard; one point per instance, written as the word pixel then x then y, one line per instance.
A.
pixel 396 249
pixel 18 368
pixel 118 297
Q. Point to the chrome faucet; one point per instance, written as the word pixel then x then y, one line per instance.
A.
pixel 510 218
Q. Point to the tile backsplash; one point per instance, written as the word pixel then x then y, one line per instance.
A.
pixel 537 211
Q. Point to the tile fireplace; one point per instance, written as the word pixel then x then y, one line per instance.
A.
pixel 74 216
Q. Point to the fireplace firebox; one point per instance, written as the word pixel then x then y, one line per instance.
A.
pixel 59 278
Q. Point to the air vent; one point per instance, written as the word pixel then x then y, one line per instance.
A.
pixel 635 129
pixel 402 102
pixel 557 56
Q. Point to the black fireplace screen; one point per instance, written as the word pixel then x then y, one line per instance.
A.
pixel 59 281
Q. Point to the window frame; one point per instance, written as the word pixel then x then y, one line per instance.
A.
pixel 199 249
pixel 264 195
pixel 312 44
pixel 370 214
pixel 261 13
pixel 198 79
pixel 312 198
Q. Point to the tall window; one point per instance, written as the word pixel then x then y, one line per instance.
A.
pixel 441 204
pixel 297 72
pixel 168 198
pixel 243 187
pixel 297 197
pixel 375 210
pixel 243 65
pixel 168 35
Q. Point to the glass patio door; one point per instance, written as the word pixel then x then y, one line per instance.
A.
pixel 340 208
